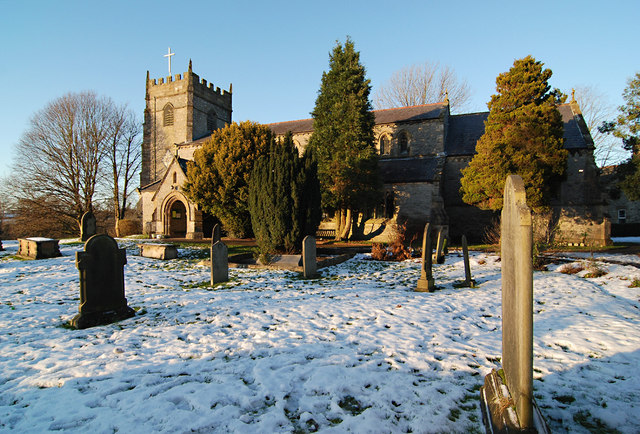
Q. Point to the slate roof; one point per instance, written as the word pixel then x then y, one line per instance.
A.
pixel 465 130
pixel 388 116
pixel 397 170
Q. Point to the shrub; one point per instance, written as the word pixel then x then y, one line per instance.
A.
pixel 571 268
pixel 396 250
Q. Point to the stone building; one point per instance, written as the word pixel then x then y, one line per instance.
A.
pixel 422 150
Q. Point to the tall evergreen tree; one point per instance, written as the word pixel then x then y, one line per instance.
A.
pixel 523 136
pixel 284 197
pixel 627 128
pixel 342 138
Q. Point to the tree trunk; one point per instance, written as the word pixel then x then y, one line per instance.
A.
pixel 346 228
pixel 338 218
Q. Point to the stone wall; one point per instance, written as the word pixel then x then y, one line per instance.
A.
pixel 425 137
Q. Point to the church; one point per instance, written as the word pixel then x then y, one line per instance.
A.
pixel 422 151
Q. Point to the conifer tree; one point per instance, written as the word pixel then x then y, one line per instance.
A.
pixel 218 177
pixel 523 136
pixel 284 197
pixel 627 128
pixel 342 138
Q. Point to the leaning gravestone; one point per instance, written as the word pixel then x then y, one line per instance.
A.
pixel 426 282
pixel 101 267
pixel 439 255
pixel 514 411
pixel 309 259
pixel 468 281
pixel 219 263
pixel 216 234
pixel 87 226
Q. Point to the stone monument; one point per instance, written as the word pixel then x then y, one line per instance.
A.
pixel 38 248
pixel 87 226
pixel 468 281
pixel 216 234
pixel 426 282
pixel 514 411
pixel 219 263
pixel 438 257
pixel 101 267
pixel 309 259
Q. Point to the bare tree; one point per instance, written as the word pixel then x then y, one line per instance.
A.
pixel 425 83
pixel 596 109
pixel 60 159
pixel 123 157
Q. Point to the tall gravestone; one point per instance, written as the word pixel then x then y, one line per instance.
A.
pixel 439 255
pixel 309 259
pixel 517 319
pixel 426 282
pixel 219 263
pixel 87 226
pixel 468 281
pixel 101 267
pixel 216 234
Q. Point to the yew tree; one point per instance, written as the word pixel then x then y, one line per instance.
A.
pixel 218 177
pixel 284 197
pixel 523 136
pixel 343 140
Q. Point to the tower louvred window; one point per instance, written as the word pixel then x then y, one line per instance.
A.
pixel 168 115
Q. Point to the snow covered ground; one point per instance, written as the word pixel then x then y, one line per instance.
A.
pixel 355 350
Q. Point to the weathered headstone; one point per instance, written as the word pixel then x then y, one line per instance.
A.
pixel 426 282
pixel 101 267
pixel 309 259
pixel 517 321
pixel 468 281
pixel 216 234
pixel 38 248
pixel 219 263
pixel 438 256
pixel 87 226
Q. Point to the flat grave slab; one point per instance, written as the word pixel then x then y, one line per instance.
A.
pixel 158 251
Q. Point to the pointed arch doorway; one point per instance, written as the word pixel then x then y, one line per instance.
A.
pixel 177 220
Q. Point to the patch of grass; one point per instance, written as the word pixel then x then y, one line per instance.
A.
pixel 595 273
pixel 593 424
pixel 351 405
pixel 571 268
pixel 635 283
pixel 565 399
pixel 454 414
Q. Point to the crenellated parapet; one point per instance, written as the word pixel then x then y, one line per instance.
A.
pixel 187 78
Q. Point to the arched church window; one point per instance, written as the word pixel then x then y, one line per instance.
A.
pixel 168 115
pixel 212 121
pixel 385 145
pixel 403 142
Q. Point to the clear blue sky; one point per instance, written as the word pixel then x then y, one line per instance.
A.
pixel 274 52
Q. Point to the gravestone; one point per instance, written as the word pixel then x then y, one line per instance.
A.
pixel 309 260
pixel 468 281
pixel 87 226
pixel 516 238
pixel 219 263
pixel 1 248
pixel 426 282
pixel 438 257
pixel 216 234
pixel 38 248
pixel 101 267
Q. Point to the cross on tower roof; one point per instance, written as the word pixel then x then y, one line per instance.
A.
pixel 168 55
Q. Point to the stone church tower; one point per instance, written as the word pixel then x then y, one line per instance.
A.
pixel 178 110
pixel 181 112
